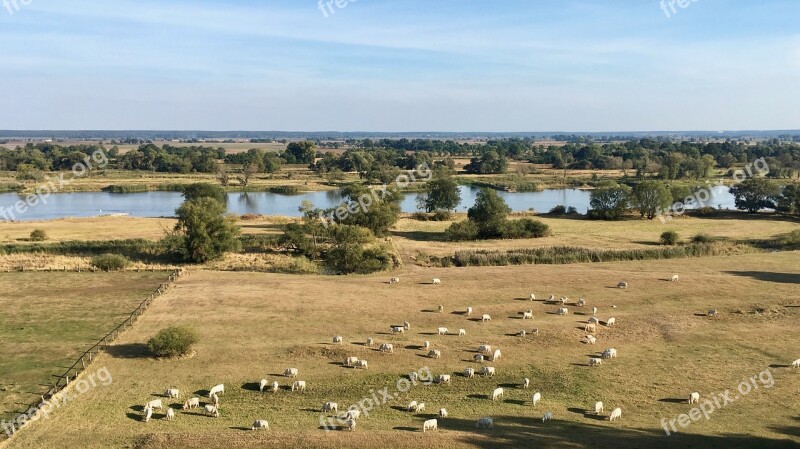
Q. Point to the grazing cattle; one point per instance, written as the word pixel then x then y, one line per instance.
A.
pixel 337 340
pixel 497 394
pixel 478 358
pixel 469 373
pixel 595 361
pixel 534 332
pixel 370 342
pixel 170 414
pixel 442 413
pixel 420 407
pixel 442 331
pixel 426 344
pixel 616 414
pixel 526 383
pixel 484 423
pixel 563 311
pixel 430 424
pixel 441 309
pixel 485 349
pixel 533 297
pixel 412 406
pixel 581 302
pixel 191 403
pixel 487 371
pixel 148 413
pixel 299 385
pixel 547 416
pixel 469 311
pixel 172 393
pixel 496 355
pixel 486 318
pixel 796 364
pixel 536 398
pixel 593 320
pixel 713 313
pixel 675 278
pixel 215 399
pixel 352 413
pixel 407 325
pixel 594 310
pixel 435 354
pixel 522 333
pixel 330 407
pixel 610 353
pixel 351 424
pixel 387 347
pixel 564 300
pixel 437 281
pixel 527 316
pixel 611 321
pixel 217 389
pixel 211 410
pixel 462 332
pixel 552 298
pixel 155 403
pixel 443 379
pixel 260 424
pixel 264 383
pixel 413 376
pixel 394 280
pixel 361 364
pixel 398 330
pixel 291 372
pixel 694 398
pixel 274 387
pixel 350 361
pixel 591 327
pixel 622 285
pixel 590 339
pixel 598 407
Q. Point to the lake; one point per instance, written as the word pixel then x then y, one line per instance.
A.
pixel 163 204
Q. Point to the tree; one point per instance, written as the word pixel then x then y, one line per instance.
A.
pixel 222 175
pixel 173 341
pixel 376 211
pixel 650 197
pixel 247 172
pixel 301 152
pixel 755 194
pixel 490 162
pixel 204 190
pixel 489 213
pixel 669 238
pixel 609 202
pixel 789 201
pixel 205 232
pixel 441 194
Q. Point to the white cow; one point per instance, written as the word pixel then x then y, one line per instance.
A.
pixel 426 344
pixel 610 353
pixel 594 310
pixel 191 403
pixel 590 339
pixel 486 318
pixel 675 278
pixel 713 313
pixel 361 364
pixel 350 361
pixel 211 410
pixel 398 330
pixel 260 424
pixel 526 383
pixel 496 355
pixel 485 349
pixel 351 424
pixel 497 394
pixel 274 386
pixel 291 372
pixel 616 414
pixel 407 325
pixel 593 320
pixel 563 311
pixel 469 373
pixel 536 398
pixel 595 361
pixel 478 358
pixel 622 285
pixel 370 342
pixel 527 316
pixel 442 413
pixel 441 308
pixel 148 413
pixel 330 407
pixel 488 371
pixel 299 385
pixel 437 281
pixel 462 332
pixel 435 354
pixel 387 347
pixel 155 403
pixel 611 321
pixel 170 414
pixel 581 302
pixel 394 280
pixel 591 327
pixel 430 424
pixel 469 311
pixel 443 379
pixel 412 406
pixel 484 423
pixel 533 297
pixel 262 385
pixel 442 331
pixel 796 364
pixel 547 416
pixel 694 398
pixel 172 393
pixel 598 407
pixel 337 340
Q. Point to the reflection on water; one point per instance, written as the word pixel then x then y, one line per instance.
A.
pixel 163 204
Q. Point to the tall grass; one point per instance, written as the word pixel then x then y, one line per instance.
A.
pixel 284 190
pixel 126 188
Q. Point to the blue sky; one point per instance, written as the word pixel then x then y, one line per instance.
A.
pixel 400 65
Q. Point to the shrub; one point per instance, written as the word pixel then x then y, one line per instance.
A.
pixel 791 240
pixel 442 215
pixel 669 238
pixel 38 235
pixel 525 228
pixel 558 210
pixel 702 238
pixel 462 230
pixel 173 342
pixel 127 188
pixel 110 262
pixel 572 211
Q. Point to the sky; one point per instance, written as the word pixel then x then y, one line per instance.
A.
pixel 400 65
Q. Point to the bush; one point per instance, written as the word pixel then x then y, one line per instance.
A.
pixel 525 228
pixel 702 238
pixel 38 235
pixel 461 231
pixel 110 262
pixel 791 240
pixel 572 211
pixel 558 210
pixel 669 238
pixel 173 342
pixel 442 215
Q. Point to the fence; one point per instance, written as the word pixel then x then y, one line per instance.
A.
pixel 86 358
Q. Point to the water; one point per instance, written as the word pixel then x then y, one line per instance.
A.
pixel 163 204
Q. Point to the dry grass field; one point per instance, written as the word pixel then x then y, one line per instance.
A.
pixel 253 326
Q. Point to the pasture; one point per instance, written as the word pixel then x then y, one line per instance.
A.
pixel 253 326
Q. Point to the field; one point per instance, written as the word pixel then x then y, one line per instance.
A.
pixel 253 326
pixel 49 319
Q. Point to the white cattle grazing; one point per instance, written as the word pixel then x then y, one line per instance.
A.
pixel 191 403
pixel 211 410
pixel 616 414
pixel 522 333
pixel 796 364
pixel 675 278
pixel 420 407
pixel 441 309
pixel 469 311
pixel 462 332
pixel 564 300
pixel 595 361
pixel 442 413
pixel 622 285
pixel 426 344
pixel 581 302
pixel 496 355
pixel 370 342
pixel 547 416
pixel 488 371
pixel 350 361
pixel 486 318
pixel 485 349
pixel 353 413
pixel 442 331
pixel 274 387
pixel 172 393
pixel 469 373
pixel 170 414
pixel 387 347
pixel 713 313
pixel 291 372
pixel 413 376
pixel 552 298
pixel 407 325
pixel 398 330
pixel 148 413
pixel 694 398
pixel 260 424
pixel 598 407
pixel 594 310
pixel 591 339
pixel 361 364
pixel 563 311
pixel 435 354
pixel 299 385
pixel 215 399
pixel 611 321
pixel 337 340
pixel 478 358
pixel 330 407
pixel 527 316
pixel 217 389
pixel 437 281
pixel 526 383
pixel 351 424
pixel 593 320
pixel 394 280
pixel 430 424
pixel 484 423
pixel 443 379
pixel 412 406
pixel 610 353
pixel 533 297
pixel 155 403
pixel 536 398
pixel 533 332
pixel 497 394
pixel 262 384
pixel 591 327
